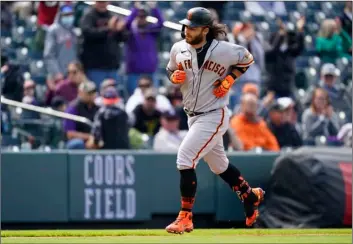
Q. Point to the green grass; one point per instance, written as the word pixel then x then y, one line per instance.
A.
pixel 198 236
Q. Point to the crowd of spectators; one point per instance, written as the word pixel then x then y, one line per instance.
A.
pixel 107 67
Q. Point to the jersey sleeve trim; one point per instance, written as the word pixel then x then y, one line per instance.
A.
pixel 245 64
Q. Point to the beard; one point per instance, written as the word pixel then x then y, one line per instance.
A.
pixel 196 40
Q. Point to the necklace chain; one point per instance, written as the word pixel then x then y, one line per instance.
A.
pixel 201 48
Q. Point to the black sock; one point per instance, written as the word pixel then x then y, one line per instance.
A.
pixel 237 183
pixel 188 185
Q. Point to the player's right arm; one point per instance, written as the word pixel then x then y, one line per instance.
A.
pixel 175 71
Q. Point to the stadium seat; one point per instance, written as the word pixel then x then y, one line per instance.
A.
pixel 308 42
pixel 290 6
pixel 163 4
pixel 22 54
pixel 176 5
pixel 6 42
pixel 36 67
pixel 319 17
pixel 31 22
pixel 302 7
pixel 312 29
pixel 5 33
pixel 294 16
pixel 39 79
pixel 343 63
pixel 10 53
pixel 19 22
pixel 168 14
pixel 181 13
pixel 27 75
pixel 125 4
pixel 231 14
pixel 245 16
pixel 316 6
pixel 236 5
pixel 190 4
pixel 327 8
pixel 9 140
pixel 175 36
pixel 270 16
pixel 302 62
pixel 312 75
pixel 265 29
pixel 35 54
pixel 315 62
pixel 20 33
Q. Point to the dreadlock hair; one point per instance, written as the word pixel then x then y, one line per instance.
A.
pixel 217 31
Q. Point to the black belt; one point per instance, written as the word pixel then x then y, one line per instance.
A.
pixel 192 114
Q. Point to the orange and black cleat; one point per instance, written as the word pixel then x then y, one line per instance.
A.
pixel 182 224
pixel 260 196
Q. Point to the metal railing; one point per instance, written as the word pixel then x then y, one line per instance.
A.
pixel 48 111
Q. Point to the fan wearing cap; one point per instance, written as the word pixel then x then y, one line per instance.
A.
pixel 146 116
pixel 339 97
pixel 60 46
pixel 77 133
pixel 141 47
pixel 107 84
pixel 169 137
pixel 285 133
pixel 110 127
pixel 145 83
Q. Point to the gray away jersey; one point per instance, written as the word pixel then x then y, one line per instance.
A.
pixel 198 87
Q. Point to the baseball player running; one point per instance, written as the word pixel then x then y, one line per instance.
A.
pixel 206 69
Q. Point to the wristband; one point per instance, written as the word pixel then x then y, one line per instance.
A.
pixel 233 75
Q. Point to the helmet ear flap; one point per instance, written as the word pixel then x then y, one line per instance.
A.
pixel 183 32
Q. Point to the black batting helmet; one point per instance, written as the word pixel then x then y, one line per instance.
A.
pixel 197 17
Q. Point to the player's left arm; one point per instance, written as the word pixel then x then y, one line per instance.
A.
pixel 243 61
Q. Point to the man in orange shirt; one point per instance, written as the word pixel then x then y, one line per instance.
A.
pixel 252 129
